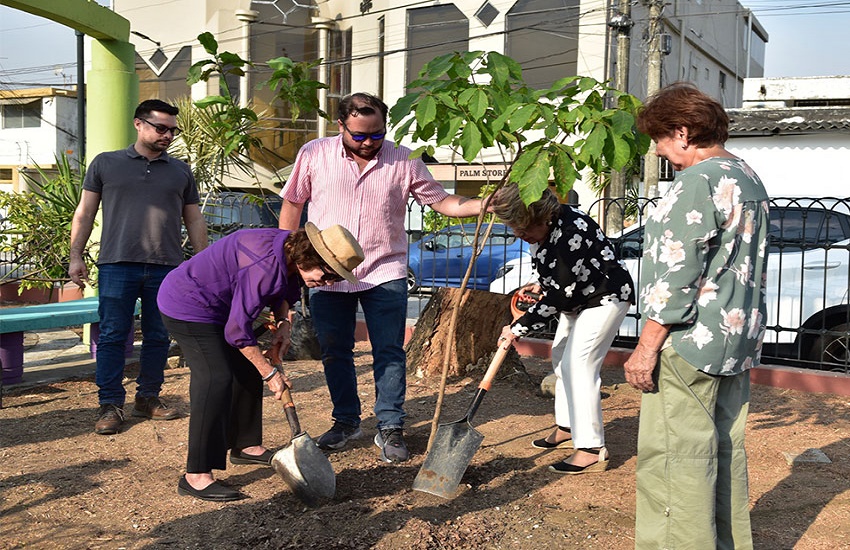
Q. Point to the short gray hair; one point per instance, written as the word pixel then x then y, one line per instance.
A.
pixel 508 207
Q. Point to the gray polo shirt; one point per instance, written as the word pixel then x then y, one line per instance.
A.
pixel 142 204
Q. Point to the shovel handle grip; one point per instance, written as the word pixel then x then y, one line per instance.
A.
pixel 289 410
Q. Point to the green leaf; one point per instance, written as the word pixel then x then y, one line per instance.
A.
pixel 521 117
pixel 447 130
pixel 403 107
pixel 438 66
pixel 498 68
pixel 401 131
pixel 229 58
pixel 595 141
pixel 211 100
pixel 622 153
pixel 209 43
pixel 621 122
pixel 564 171
pixel 426 111
pixel 478 104
pixel 470 142
pixel 416 153
pixel 280 63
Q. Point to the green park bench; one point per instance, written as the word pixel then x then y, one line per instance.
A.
pixel 17 320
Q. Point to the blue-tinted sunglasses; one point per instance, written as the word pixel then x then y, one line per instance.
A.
pixel 362 137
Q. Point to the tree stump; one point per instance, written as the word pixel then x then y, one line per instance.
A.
pixel 479 323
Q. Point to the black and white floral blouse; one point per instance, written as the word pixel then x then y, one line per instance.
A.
pixel 577 269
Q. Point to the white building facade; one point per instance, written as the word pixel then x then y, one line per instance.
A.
pixel 378 46
pixel 36 126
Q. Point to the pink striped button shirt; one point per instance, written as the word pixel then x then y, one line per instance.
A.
pixel 372 204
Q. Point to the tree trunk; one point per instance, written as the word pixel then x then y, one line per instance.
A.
pixel 480 320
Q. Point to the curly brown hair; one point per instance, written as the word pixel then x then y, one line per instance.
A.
pixel 299 248
pixel 679 105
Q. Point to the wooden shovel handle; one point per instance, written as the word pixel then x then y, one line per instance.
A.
pixel 495 364
pixel 289 408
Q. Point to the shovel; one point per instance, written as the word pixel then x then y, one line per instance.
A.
pixel 301 464
pixel 455 443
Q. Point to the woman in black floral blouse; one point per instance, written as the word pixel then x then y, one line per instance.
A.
pixel 586 287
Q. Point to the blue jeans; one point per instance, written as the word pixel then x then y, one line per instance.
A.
pixel 334 317
pixel 119 285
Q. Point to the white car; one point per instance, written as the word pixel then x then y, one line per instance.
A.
pixel 808 277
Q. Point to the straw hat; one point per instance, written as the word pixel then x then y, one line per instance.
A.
pixel 337 247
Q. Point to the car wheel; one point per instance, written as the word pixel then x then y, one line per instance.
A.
pixel 412 283
pixel 832 351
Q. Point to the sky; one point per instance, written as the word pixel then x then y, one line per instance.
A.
pixel 806 38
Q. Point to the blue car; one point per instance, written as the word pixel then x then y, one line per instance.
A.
pixel 441 258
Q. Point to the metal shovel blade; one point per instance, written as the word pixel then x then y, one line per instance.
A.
pixel 453 447
pixel 306 469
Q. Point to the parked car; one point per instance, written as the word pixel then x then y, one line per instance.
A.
pixel 440 259
pixel 808 277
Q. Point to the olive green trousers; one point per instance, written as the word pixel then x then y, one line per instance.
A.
pixel 692 489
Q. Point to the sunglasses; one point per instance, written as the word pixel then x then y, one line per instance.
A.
pixel 329 275
pixel 162 129
pixel 362 137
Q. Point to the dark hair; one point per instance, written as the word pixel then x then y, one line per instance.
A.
pixel 147 106
pixel 361 104
pixel 301 251
pixel 681 104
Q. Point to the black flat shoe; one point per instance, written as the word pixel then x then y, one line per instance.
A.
pixel 543 444
pixel 212 492
pixel 600 465
pixel 238 457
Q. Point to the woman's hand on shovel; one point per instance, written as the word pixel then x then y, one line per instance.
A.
pixel 279 382
pixel 507 337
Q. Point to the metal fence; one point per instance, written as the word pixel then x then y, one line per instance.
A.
pixel 808 320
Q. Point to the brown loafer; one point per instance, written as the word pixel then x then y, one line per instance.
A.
pixel 153 408
pixel 109 419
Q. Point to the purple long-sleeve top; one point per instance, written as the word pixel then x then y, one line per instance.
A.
pixel 230 283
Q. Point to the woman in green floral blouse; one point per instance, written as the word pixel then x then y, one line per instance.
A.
pixel 704 271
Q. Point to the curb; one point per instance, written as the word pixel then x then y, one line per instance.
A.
pixel 790 378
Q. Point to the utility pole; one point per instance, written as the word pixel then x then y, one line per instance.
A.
pixel 622 22
pixel 653 84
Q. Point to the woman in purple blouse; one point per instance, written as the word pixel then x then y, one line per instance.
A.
pixel 209 304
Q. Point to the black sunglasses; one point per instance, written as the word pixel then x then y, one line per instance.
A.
pixel 362 137
pixel 162 129
pixel 330 276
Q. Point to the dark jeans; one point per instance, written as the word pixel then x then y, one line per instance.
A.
pixel 225 395
pixel 119 286
pixel 334 317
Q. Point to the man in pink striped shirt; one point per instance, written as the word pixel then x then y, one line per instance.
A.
pixel 362 182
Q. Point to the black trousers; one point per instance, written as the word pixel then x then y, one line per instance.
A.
pixel 225 395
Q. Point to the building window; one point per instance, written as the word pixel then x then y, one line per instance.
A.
pixel 722 80
pixel 339 68
pixel 533 23
pixel 434 31
pixel 22 115
pixel 382 47
pixel 170 84
pixel 486 14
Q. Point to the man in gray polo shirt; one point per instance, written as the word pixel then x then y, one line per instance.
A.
pixel 145 194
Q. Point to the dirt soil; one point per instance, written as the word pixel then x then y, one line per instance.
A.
pixel 62 486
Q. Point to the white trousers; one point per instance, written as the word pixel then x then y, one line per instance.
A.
pixel 581 343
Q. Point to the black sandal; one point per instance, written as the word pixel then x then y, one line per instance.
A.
pixel 543 444
pixel 600 465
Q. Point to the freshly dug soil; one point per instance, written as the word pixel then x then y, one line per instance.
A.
pixel 62 486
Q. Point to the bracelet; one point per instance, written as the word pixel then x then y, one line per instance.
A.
pixel 269 376
pixel 277 323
